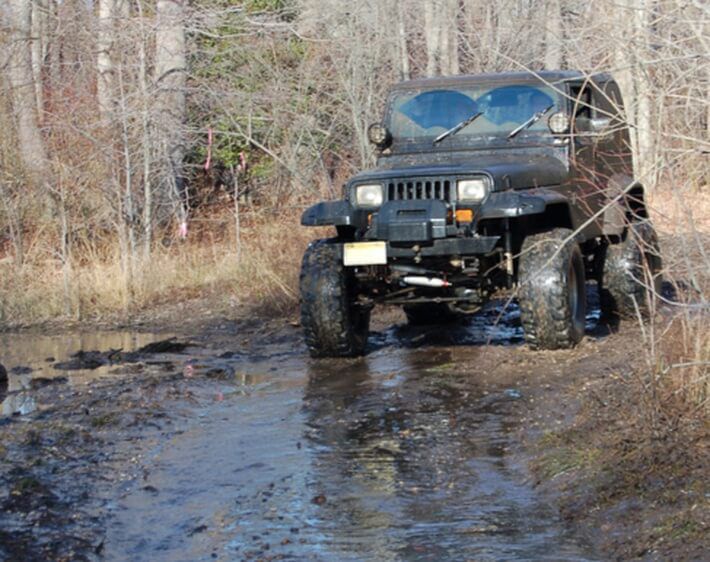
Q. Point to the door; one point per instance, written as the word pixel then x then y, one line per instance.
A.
pixel 587 144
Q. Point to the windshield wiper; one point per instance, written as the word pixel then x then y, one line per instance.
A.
pixel 534 119
pixel 465 123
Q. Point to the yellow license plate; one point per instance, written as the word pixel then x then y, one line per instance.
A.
pixel 365 253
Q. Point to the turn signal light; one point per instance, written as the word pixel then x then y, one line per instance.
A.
pixel 464 215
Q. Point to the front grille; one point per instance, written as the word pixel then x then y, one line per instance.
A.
pixel 403 190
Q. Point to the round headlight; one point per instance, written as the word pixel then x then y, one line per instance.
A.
pixel 378 135
pixel 473 190
pixel 369 195
pixel 558 123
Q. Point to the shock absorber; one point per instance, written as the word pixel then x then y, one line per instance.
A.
pixel 508 255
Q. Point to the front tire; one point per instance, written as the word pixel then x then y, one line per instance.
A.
pixel 334 325
pixel 632 273
pixel 552 290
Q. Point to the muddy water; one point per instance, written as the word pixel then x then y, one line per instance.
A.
pixel 31 359
pixel 395 456
pixel 399 455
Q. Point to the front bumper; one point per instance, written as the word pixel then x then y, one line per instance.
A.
pixel 424 227
pixel 443 247
pixel 409 228
pixel 381 253
pixel 499 204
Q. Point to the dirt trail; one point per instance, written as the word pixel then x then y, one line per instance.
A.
pixel 240 447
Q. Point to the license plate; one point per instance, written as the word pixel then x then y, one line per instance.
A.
pixel 365 253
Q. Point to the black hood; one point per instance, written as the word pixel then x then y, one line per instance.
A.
pixel 528 168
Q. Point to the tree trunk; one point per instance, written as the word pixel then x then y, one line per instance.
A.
pixel 170 79
pixel 402 36
pixel 623 63
pixel 32 149
pixel 642 85
pixel 432 35
pixel 553 35
pixel 39 37
pixel 450 38
pixel 104 63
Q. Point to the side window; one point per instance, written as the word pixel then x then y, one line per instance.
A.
pixel 580 101
pixel 616 108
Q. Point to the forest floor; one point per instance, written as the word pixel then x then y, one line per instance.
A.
pixel 206 437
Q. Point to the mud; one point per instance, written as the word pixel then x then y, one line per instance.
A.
pixel 229 443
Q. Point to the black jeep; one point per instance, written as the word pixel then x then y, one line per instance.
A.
pixel 519 184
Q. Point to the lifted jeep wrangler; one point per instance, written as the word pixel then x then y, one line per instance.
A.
pixel 485 185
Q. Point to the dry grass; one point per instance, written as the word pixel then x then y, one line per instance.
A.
pixel 262 272
pixel 636 457
pixel 681 211
pixel 683 362
pixel 98 284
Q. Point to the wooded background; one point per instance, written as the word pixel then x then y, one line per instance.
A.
pixel 127 127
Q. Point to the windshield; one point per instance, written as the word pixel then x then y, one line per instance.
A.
pixel 421 115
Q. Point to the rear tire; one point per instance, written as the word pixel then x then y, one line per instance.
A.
pixel 632 273
pixel 552 290
pixel 333 324
pixel 429 314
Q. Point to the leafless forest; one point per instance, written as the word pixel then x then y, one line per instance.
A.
pixel 126 124
pixel 162 149
pixel 160 152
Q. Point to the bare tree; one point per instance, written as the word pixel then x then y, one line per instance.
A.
pixel 293 85
pixel 553 35
pixel 108 12
pixel 20 75
pixel 170 80
pixel 39 49
pixel 402 37
pixel 432 33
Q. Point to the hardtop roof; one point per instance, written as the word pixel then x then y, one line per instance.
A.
pixel 542 76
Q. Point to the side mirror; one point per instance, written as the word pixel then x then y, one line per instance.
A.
pixel 599 126
pixel 379 135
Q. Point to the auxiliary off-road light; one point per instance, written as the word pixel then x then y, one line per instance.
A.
pixel 473 190
pixel 559 123
pixel 378 135
pixel 369 195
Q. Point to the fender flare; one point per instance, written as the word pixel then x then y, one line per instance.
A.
pixel 511 204
pixel 333 213
pixel 631 200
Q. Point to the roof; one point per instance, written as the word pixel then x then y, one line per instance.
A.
pixel 544 76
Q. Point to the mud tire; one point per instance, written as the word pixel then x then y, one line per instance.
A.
pixel 630 268
pixel 430 314
pixel 334 326
pixel 552 290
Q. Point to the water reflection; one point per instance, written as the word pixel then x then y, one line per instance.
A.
pixel 497 323
pixel 413 465
pixel 30 357
pixel 20 403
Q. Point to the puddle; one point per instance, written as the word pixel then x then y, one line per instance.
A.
pixel 31 360
pixel 394 456
pixel 387 457
pixel 498 323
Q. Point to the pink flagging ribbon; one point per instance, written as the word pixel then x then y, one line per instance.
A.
pixel 208 162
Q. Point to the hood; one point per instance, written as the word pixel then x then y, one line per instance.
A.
pixel 508 171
